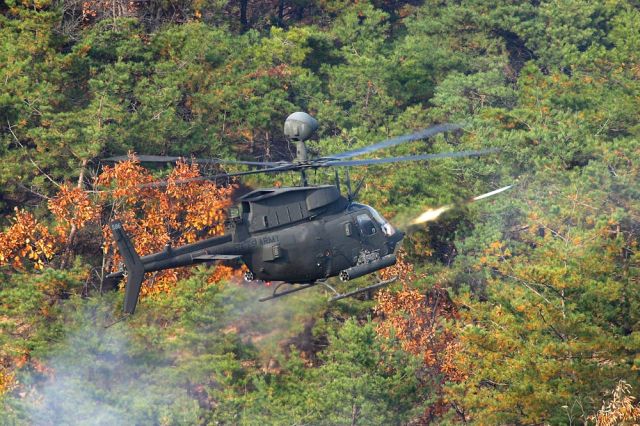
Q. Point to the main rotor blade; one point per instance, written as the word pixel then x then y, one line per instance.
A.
pixel 214 178
pixel 172 159
pixel 409 158
pixel 422 134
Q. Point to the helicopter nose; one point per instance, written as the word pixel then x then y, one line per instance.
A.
pixel 395 238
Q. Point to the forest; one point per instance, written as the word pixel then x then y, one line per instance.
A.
pixel 522 309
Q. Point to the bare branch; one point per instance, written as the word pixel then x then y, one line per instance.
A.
pixel 29 157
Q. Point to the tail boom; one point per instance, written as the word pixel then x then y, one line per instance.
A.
pixel 217 248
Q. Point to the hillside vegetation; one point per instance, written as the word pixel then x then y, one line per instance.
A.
pixel 521 309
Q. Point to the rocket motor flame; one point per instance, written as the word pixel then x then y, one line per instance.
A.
pixel 433 214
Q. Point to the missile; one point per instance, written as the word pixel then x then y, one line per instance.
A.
pixel 433 214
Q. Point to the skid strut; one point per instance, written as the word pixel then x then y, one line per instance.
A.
pixel 362 290
pixel 275 295
pixel 337 296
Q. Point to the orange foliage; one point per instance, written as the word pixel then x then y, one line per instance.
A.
pixel 622 408
pixel 416 321
pixel 26 240
pixel 73 207
pixel 202 203
pixel 92 10
pixel 225 272
pixel 402 269
pixel 7 381
pixel 182 210
pixel 279 71
pixel 125 180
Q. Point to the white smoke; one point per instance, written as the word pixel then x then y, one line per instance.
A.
pixel 94 379
pixel 99 375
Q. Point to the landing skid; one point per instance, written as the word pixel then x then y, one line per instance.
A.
pixel 362 290
pixel 337 296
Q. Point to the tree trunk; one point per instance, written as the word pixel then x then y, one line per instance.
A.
pixel 281 13
pixel 73 231
pixel 243 15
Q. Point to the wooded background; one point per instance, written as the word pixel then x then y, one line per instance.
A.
pixel 521 309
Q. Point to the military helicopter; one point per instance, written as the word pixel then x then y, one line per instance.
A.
pixel 300 235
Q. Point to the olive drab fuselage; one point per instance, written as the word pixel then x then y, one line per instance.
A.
pixel 295 234
pixel 298 235
pixel 303 234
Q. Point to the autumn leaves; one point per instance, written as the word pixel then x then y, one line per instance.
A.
pixel 181 210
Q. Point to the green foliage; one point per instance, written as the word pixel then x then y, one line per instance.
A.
pixel 546 276
pixel 358 381
pixel 30 311
pixel 560 319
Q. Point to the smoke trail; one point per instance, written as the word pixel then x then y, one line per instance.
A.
pixel 490 194
pixel 266 325
pixel 96 379
pixel 430 215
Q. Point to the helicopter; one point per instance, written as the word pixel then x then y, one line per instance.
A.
pixel 298 236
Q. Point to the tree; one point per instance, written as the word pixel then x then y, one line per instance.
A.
pixel 369 384
pixel 558 326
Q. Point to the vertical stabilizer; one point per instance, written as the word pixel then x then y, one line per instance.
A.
pixel 135 268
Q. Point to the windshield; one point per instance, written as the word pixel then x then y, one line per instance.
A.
pixel 386 226
pixel 374 214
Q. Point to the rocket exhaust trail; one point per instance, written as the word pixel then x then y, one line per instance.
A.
pixel 430 215
pixel 433 214
pixel 489 194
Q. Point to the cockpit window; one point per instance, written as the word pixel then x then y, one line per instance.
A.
pixel 371 210
pixel 387 229
pixel 376 216
pixel 366 224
